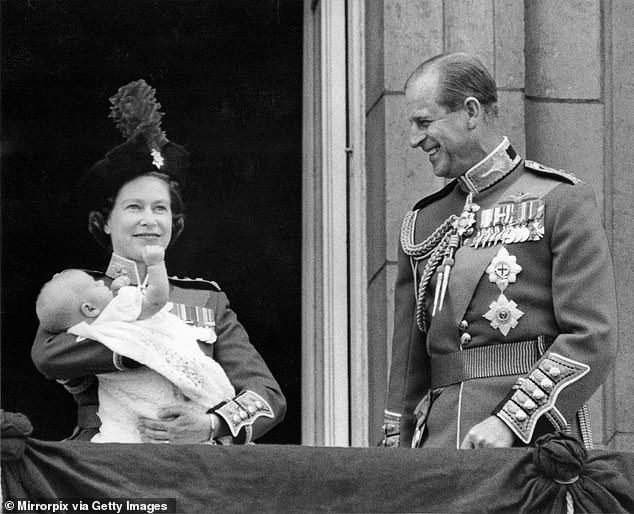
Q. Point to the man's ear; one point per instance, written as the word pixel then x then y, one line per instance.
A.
pixel 89 310
pixel 474 111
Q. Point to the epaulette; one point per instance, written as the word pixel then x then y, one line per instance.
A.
pixel 194 283
pixel 436 196
pixel 552 172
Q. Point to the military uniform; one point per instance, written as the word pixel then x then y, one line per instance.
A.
pixel 504 305
pixel 259 404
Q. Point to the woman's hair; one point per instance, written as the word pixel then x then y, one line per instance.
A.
pixel 98 217
pixel 460 76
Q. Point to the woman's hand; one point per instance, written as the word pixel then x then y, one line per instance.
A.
pixel 176 425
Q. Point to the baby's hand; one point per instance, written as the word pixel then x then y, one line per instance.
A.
pixel 153 254
pixel 120 282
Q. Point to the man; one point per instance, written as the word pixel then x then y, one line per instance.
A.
pixel 505 310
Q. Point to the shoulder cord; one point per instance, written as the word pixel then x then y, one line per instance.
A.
pixel 433 247
pixel 422 250
pixel 422 318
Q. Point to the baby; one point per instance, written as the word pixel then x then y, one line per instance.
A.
pixel 136 323
pixel 73 296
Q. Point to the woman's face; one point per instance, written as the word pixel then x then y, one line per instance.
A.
pixel 141 215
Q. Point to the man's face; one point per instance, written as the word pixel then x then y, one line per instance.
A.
pixel 443 135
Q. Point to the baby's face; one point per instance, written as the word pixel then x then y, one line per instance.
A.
pixel 93 291
pixel 100 293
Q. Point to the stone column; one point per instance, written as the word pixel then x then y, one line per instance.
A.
pixel 564 97
pixel 619 167
pixel 375 176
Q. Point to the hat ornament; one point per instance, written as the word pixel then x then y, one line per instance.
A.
pixel 135 111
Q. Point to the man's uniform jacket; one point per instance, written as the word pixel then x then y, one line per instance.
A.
pixel 259 403
pixel 527 328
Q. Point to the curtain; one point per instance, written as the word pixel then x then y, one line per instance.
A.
pixel 557 476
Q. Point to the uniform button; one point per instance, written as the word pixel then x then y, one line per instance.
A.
pixel 259 404
pixel 520 415
pixel 463 325
pixel 546 383
pixel 251 409
pixel 538 394
pixel 529 404
pixel 236 418
pixel 465 339
pixel 554 371
pixel 243 414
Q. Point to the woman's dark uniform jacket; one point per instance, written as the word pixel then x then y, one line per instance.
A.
pixel 258 406
pixel 565 290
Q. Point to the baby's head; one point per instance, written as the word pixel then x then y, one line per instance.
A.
pixel 71 297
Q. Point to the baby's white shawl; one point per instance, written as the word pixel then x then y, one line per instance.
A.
pixel 177 372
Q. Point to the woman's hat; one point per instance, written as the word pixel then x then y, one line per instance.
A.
pixel 147 149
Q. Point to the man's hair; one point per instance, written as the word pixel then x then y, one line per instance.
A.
pixel 58 305
pixel 460 75
pixel 98 218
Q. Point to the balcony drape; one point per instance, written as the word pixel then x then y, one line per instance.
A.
pixel 278 478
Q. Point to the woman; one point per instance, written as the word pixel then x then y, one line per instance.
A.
pixel 134 200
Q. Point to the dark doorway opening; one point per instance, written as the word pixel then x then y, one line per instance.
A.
pixel 228 76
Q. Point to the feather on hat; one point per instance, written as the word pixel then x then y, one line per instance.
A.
pixel 146 149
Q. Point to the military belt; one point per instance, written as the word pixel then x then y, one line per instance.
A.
pixel 487 361
pixel 87 417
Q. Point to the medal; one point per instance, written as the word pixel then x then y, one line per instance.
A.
pixel 503 269
pixel 503 313
pixel 510 222
pixel 201 319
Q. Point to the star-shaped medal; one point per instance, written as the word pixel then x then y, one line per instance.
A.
pixel 503 269
pixel 503 314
